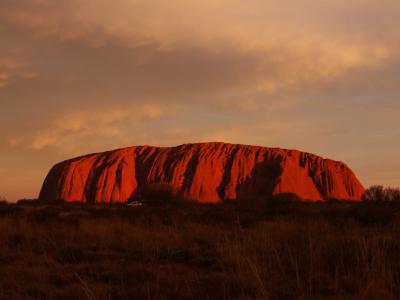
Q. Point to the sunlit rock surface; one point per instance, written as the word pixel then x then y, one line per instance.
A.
pixel 205 172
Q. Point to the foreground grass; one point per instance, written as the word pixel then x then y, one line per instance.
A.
pixel 189 251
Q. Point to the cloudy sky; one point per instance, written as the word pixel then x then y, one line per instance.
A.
pixel 82 76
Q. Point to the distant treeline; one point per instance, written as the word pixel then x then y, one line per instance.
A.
pixel 154 193
pixel 378 193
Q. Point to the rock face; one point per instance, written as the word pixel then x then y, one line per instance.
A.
pixel 206 172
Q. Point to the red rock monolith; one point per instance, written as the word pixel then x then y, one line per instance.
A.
pixel 205 172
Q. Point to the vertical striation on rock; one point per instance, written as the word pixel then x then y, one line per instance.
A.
pixel 205 172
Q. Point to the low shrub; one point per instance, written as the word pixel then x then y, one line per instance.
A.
pixel 378 193
pixel 269 206
pixel 3 200
pixel 157 193
pixel 27 202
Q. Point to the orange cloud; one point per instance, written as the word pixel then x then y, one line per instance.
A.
pixel 12 69
pixel 68 131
